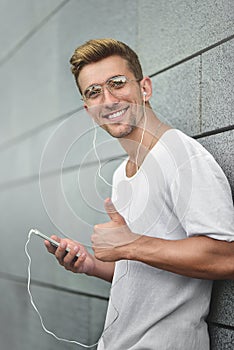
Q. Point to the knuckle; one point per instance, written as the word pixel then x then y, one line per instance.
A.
pixel 96 227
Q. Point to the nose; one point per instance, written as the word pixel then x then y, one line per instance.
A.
pixel 109 97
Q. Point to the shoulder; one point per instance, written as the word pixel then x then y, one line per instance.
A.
pixel 177 153
pixel 183 148
pixel 176 139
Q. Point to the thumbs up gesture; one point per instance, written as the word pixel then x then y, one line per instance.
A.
pixel 111 238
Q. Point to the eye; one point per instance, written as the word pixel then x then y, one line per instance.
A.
pixel 92 92
pixel 117 82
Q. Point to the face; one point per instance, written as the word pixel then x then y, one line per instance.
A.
pixel 118 113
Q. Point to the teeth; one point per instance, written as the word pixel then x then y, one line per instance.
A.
pixel 115 115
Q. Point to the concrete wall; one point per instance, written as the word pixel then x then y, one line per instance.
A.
pixel 46 141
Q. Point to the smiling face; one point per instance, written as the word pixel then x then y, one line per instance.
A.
pixel 120 111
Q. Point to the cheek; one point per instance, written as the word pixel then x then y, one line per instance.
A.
pixel 137 110
pixel 94 112
pixel 133 97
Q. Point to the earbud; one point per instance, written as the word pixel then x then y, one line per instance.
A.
pixel 144 95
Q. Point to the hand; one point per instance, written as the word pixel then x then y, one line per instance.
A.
pixel 84 264
pixel 109 236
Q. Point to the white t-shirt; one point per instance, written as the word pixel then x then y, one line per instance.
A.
pixel 179 191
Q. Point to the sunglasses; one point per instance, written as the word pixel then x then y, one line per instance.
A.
pixel 118 86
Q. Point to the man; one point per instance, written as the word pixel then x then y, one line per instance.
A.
pixel 171 230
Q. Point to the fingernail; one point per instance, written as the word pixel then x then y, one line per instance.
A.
pixel 62 244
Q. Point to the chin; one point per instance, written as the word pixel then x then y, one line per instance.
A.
pixel 119 131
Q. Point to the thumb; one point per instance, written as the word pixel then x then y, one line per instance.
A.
pixel 113 213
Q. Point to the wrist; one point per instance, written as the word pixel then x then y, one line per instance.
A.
pixel 144 248
pixel 129 251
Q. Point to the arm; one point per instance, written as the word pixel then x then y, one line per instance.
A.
pixel 197 257
pixel 86 263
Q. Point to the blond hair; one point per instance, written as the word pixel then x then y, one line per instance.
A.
pixel 97 49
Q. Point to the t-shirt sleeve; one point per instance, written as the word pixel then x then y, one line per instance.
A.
pixel 202 199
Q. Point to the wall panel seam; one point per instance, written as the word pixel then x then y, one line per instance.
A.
pixel 30 34
pixel 194 55
pixel 214 132
pixel 9 185
pixel 220 325
pixel 200 94
pixel 36 130
pixel 21 280
pixel 36 177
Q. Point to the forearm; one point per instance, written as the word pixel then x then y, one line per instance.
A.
pixel 103 270
pixel 197 257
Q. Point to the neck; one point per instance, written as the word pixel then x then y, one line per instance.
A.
pixel 143 137
pixel 141 140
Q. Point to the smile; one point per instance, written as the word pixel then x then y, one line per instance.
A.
pixel 116 115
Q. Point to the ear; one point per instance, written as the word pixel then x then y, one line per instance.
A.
pixel 91 112
pixel 146 86
pixel 86 108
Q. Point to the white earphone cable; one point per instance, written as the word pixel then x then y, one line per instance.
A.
pixel 35 307
pixel 143 131
pixel 99 161
pixel 30 260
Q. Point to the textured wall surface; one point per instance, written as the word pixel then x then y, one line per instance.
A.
pixel 46 141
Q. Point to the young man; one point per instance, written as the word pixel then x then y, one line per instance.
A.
pixel 171 228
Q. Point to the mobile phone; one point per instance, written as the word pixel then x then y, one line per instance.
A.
pixel 52 241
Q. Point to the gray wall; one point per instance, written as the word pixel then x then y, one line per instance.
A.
pixel 46 140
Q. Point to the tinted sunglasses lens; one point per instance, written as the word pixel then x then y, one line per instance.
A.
pixel 92 92
pixel 117 82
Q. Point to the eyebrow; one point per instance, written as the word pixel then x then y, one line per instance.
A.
pixel 95 84
pixel 113 76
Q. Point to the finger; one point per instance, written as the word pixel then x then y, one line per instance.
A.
pixel 71 257
pixel 51 248
pixel 61 252
pixel 113 213
pixel 74 261
pixel 79 263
